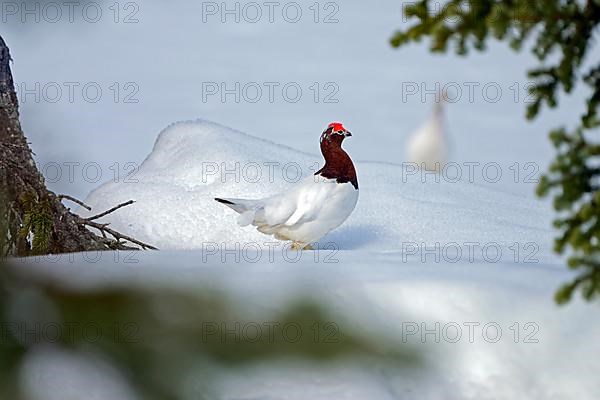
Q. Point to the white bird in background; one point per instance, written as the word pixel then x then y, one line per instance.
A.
pixel 428 146
pixel 314 207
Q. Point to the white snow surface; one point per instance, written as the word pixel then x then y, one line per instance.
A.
pixel 553 356
pixel 379 280
pixel 51 373
pixel 193 162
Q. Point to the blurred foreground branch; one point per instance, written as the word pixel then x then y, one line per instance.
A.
pixel 165 341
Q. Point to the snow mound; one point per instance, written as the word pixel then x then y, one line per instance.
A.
pixel 518 332
pixel 192 162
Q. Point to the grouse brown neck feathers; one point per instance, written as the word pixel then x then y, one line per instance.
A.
pixel 338 164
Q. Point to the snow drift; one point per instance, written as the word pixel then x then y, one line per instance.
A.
pixel 193 162
pixel 400 272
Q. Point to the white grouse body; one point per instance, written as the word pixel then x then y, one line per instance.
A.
pixel 428 147
pixel 315 206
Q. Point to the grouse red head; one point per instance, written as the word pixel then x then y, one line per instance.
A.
pixel 338 164
pixel 316 206
pixel 335 131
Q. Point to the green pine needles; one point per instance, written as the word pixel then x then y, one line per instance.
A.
pixel 37 222
pixel 561 35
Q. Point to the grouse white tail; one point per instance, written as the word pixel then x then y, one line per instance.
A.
pixel 315 206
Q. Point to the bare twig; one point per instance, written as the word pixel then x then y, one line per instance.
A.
pixel 116 243
pixel 19 174
pixel 117 235
pixel 115 208
pixel 74 200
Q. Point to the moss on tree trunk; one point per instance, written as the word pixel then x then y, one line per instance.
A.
pixel 32 218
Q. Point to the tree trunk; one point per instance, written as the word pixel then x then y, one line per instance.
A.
pixel 32 218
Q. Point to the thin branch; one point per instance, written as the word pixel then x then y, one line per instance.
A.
pixel 115 208
pixel 103 228
pixel 117 235
pixel 74 200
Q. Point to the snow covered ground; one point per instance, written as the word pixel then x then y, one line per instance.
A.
pixel 461 271
pixel 415 250
pixel 484 330
pixel 193 162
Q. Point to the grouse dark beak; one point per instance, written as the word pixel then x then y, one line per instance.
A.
pixel 347 133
